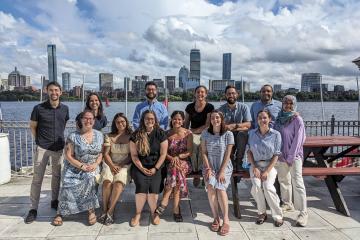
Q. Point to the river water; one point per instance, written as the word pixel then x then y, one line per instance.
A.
pixel 20 111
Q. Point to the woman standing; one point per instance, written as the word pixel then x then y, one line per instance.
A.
pixel 93 103
pixel 216 146
pixel 83 154
pixel 178 164
pixel 148 148
pixel 196 115
pixel 264 146
pixel 292 129
pixel 116 166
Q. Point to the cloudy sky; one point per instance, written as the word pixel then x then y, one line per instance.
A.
pixel 271 41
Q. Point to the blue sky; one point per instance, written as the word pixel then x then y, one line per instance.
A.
pixel 271 41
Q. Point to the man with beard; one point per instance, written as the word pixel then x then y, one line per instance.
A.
pixel 48 121
pixel 238 120
pixel 266 102
pixel 152 104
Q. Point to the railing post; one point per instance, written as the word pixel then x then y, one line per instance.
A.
pixel 332 125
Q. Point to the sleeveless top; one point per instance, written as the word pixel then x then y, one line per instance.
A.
pixel 178 146
pixel 118 151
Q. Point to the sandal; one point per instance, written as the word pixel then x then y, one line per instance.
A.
pixel 135 220
pixel 261 218
pixel 92 217
pixel 160 209
pixel 178 217
pixel 109 219
pixel 279 223
pixel 215 225
pixel 102 218
pixel 57 221
pixel 224 229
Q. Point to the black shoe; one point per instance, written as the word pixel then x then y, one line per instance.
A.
pixel 31 216
pixel 54 204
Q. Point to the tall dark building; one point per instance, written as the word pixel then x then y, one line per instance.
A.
pixel 66 81
pixel 195 64
pixel 226 73
pixel 105 81
pixel 52 65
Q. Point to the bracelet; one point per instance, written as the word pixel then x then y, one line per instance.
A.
pixel 81 166
pixel 156 168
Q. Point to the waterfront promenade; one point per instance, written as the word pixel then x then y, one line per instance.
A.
pixel 324 221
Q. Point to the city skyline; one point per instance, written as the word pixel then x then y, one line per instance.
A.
pixel 270 41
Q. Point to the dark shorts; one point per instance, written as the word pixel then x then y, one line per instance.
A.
pixel 147 184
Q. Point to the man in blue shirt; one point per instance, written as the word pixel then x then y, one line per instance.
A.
pixel 266 102
pixel 238 120
pixel 152 104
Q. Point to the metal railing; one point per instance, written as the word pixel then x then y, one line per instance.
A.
pixel 22 143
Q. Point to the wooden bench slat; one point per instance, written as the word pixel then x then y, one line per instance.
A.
pixel 308 171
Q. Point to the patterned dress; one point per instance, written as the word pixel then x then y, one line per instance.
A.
pixel 176 176
pixel 77 193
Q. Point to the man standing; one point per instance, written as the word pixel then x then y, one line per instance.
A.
pixel 152 104
pixel 238 120
pixel 266 101
pixel 48 121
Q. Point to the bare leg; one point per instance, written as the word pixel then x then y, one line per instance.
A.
pixel 166 196
pixel 115 195
pixel 213 201
pixel 224 205
pixel 140 199
pixel 106 192
pixel 152 201
pixel 176 200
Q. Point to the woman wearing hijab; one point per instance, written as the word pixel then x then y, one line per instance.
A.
pixel 289 167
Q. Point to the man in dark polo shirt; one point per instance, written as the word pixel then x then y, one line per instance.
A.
pixel 48 121
pixel 238 120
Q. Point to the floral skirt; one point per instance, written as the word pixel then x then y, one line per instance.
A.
pixel 176 177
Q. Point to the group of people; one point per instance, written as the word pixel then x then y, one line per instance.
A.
pixel 203 139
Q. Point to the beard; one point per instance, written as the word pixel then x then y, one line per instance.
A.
pixel 231 100
pixel 151 96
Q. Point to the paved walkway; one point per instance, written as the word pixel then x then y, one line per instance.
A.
pixel 324 221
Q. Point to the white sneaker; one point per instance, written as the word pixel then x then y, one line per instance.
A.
pixel 287 208
pixel 302 219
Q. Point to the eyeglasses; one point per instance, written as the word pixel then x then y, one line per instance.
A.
pixel 88 119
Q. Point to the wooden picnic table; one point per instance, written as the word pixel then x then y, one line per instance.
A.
pixel 318 146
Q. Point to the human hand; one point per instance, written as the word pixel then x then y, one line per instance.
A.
pixel 152 171
pixel 115 169
pixel 264 175
pixel 208 173
pixel 221 176
pixel 256 172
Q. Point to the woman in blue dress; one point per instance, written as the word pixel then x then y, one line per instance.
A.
pixel 83 154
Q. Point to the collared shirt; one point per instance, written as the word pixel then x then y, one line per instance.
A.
pixel 159 109
pixel 293 138
pixel 240 114
pixel 51 124
pixel 264 147
pixel 274 108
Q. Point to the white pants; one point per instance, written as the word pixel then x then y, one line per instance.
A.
pixel 290 179
pixel 262 190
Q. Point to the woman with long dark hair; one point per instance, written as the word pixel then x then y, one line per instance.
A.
pixel 178 164
pixel 148 148
pixel 216 146
pixel 116 167
pixel 196 119
pixel 94 104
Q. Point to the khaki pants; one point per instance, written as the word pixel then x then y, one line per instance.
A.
pixel 196 159
pixel 41 159
pixel 291 180
pixel 262 190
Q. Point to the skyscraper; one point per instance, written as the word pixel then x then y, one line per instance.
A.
pixel 105 81
pixel 310 82
pixel 170 83
pixel 66 81
pixel 195 64
pixel 226 73
pixel 183 76
pixel 52 66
